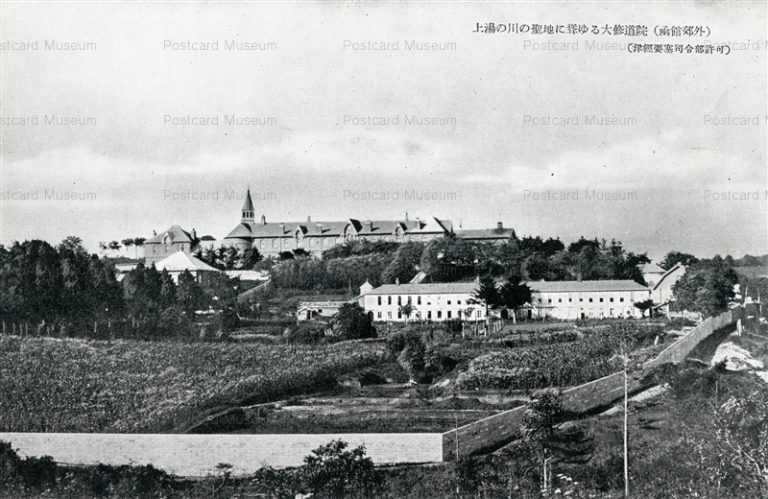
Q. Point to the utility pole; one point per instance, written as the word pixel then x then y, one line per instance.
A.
pixel 626 404
pixel 456 422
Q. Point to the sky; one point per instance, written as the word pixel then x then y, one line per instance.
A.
pixel 118 119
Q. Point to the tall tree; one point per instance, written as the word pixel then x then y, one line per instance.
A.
pixel 675 257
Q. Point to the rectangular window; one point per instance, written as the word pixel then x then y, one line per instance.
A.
pixel 449 314
pixel 610 300
pixel 601 300
pixel 389 300
pixel 399 300
pixel 399 315
pixel 559 300
pixel 429 314
pixel 621 299
pixel 418 300
pixel 549 300
pixel 378 315
pixel 389 315
pixel 590 300
pixel 458 301
pixel 379 300
pixel 449 302
pixel 439 314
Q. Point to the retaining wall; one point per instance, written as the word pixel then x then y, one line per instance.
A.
pixel 198 455
pixel 499 429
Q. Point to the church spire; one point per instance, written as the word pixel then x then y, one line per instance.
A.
pixel 247 210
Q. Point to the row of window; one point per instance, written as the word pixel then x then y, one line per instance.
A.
pixel 410 300
pixel 560 300
pixel 438 314
pixel 330 241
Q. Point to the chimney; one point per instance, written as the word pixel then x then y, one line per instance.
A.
pixel 397 281
pixel 370 225
pixel 309 219
pixel 499 226
pixel 194 234
pixel 263 220
pixel 282 228
pixel 406 216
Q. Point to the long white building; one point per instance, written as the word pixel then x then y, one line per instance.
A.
pixel 429 301
pixel 572 300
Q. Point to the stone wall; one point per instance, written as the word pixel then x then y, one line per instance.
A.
pixel 493 432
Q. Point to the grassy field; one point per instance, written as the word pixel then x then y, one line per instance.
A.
pixel 130 386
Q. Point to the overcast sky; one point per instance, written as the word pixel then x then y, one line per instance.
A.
pixel 345 110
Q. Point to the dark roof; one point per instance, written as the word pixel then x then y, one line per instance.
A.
pixel 248 203
pixel 669 272
pixel 425 288
pixel 585 286
pixel 251 230
pixel 485 234
pixel 175 233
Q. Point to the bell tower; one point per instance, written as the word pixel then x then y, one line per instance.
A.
pixel 247 211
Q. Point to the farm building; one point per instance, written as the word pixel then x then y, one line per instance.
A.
pixel 428 301
pixel 584 299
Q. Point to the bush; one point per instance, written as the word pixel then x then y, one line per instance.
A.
pixel 305 333
pixel 332 471
pixel 351 322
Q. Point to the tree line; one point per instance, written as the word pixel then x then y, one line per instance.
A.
pixel 64 290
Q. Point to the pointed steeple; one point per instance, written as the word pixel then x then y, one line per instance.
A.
pixel 247 210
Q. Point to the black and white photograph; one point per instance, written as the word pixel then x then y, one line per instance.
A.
pixel 322 249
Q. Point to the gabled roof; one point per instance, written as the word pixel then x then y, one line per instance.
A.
pixel 669 272
pixel 252 230
pixel 651 268
pixel 175 233
pixel 585 286
pixel 425 288
pixel 181 261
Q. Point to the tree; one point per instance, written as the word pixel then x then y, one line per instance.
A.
pixel 406 309
pixel 138 242
pixel 250 258
pixel 706 287
pixel 513 294
pixel 286 255
pixel 127 242
pixel 167 290
pixel 412 357
pixel 644 305
pixel 404 264
pixel 352 322
pixel 73 244
pixel 487 294
pixel 189 295
pixel 675 257
pixel 539 427
pixel 333 471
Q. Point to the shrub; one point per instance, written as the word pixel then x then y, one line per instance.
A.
pixel 333 471
pixel 351 322
pixel 305 333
